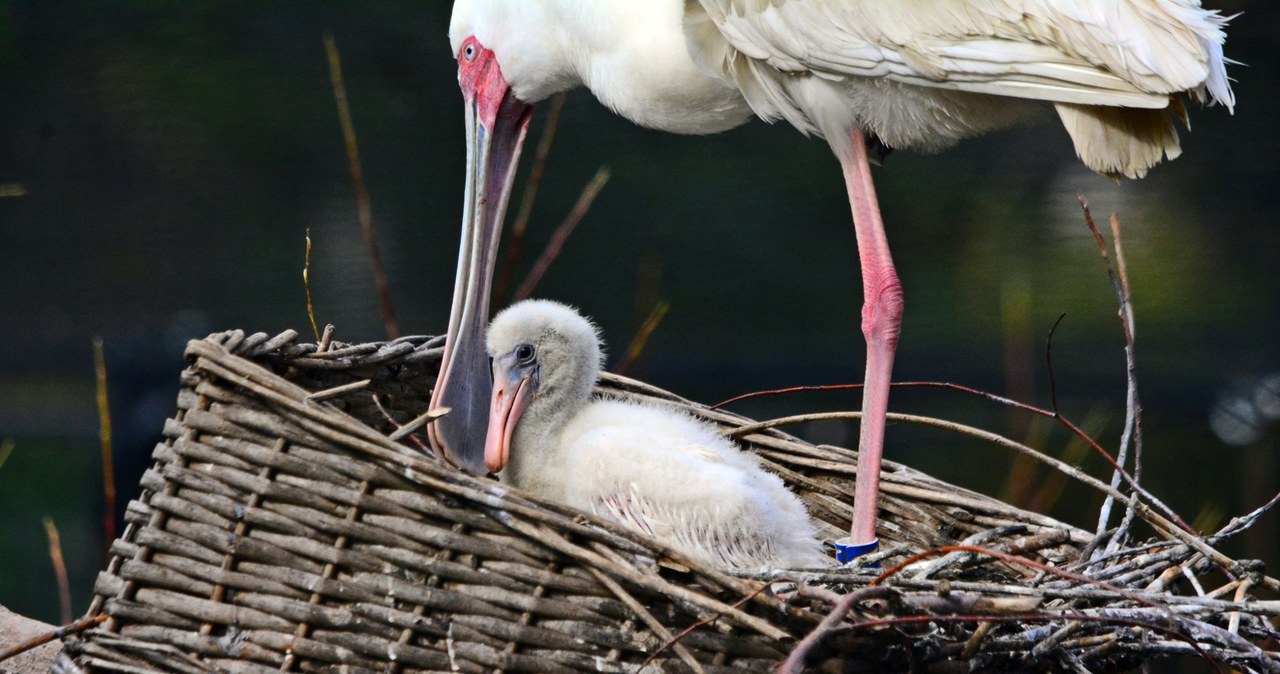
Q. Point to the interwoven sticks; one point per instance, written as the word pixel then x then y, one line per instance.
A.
pixel 280 531
pixel 283 529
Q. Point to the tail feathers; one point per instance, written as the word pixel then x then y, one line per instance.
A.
pixel 1123 141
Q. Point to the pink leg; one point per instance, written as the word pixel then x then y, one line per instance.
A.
pixel 881 322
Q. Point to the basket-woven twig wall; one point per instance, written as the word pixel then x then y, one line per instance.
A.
pixel 282 529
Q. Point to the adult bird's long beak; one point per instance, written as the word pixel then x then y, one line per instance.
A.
pixel 497 122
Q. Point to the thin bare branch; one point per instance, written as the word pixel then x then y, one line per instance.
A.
pixel 515 244
pixel 339 391
pixel 406 430
pixel 104 443
pixel 1133 405
pixel 642 337
pixel 1131 409
pixel 789 389
pixel 306 284
pixel 1235 526
pixel 363 207
pixel 1048 361
pixel 552 251
pixel 59 568
pixel 60 633
pixel 419 421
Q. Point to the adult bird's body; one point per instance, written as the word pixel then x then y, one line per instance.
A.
pixel 652 469
pixel 915 74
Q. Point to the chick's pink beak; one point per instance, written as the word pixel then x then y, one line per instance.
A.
pixel 511 396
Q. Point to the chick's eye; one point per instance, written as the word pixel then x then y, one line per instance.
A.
pixel 524 353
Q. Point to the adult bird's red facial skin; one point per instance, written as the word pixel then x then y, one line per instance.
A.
pixel 496 124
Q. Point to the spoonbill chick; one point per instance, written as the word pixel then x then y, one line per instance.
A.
pixel 653 469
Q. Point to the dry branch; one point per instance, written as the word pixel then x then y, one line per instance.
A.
pixel 104 443
pixel 59 568
pixel 6 449
pixel 638 343
pixel 515 240
pixel 1132 434
pixel 364 207
pixel 306 285
pixel 561 235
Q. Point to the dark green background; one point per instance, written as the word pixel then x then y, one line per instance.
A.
pixel 174 153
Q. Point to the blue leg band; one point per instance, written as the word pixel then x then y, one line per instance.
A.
pixel 846 552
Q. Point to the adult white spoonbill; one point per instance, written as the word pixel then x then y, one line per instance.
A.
pixel 914 74
pixel 652 469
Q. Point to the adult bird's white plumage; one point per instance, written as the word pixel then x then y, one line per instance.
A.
pixel 921 74
pixel 915 74
pixel 653 469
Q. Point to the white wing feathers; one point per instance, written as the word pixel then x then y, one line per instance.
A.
pixel 1134 55
pixel 1098 52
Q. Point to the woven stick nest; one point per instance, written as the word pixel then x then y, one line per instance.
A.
pixel 292 522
